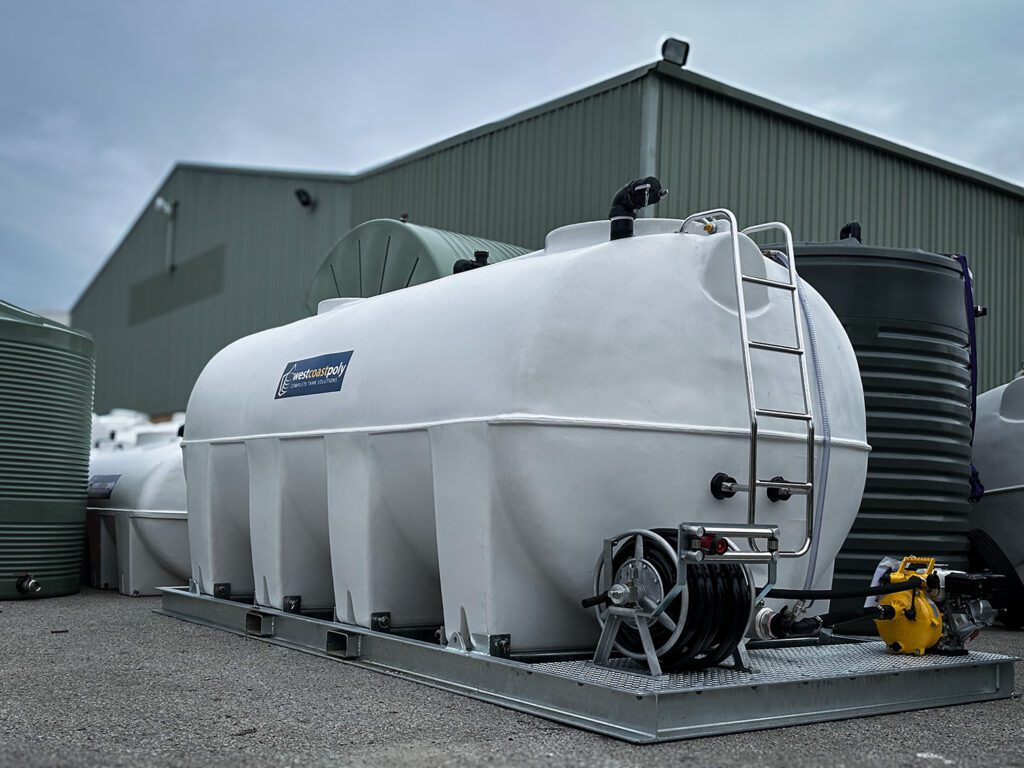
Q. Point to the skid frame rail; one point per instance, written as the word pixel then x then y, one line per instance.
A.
pixel 794 685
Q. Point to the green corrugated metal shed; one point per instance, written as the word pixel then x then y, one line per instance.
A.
pixel 251 250
pixel 244 251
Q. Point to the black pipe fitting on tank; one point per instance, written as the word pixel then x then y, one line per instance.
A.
pixel 779 494
pixel 782 626
pixel 851 229
pixel 28 584
pixel 630 199
pixel 718 486
pixel 480 259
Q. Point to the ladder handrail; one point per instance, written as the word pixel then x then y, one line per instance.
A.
pixel 741 309
pixel 751 489
pixel 804 379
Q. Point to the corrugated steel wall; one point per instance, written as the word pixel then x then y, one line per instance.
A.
pixel 522 180
pixel 715 151
pixel 255 250
pixel 245 253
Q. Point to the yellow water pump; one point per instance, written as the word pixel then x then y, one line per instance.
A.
pixel 916 625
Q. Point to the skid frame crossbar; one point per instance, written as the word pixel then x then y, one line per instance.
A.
pixel 794 685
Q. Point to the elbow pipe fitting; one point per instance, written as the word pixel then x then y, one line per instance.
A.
pixel 770 625
pixel 630 199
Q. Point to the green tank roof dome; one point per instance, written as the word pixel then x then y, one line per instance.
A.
pixel 385 255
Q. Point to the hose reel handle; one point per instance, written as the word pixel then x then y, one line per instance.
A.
pixel 596 600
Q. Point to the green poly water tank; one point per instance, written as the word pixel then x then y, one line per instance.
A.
pixel 905 313
pixel 46 387
pixel 385 255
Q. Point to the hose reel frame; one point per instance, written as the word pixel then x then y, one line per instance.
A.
pixel 605 575
pixel 619 605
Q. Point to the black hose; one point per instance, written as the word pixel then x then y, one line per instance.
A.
pixel 832 618
pixel 734 630
pixel 914 582
pixel 782 626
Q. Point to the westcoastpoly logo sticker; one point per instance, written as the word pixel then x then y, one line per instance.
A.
pixel 324 373
pixel 101 486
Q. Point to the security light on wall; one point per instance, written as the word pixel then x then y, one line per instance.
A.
pixel 675 51
pixel 165 207
pixel 168 209
pixel 305 199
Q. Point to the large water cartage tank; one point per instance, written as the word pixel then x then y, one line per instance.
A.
pixel 905 314
pixel 46 388
pixel 464 445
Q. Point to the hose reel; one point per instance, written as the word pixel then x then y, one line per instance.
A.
pixel 678 598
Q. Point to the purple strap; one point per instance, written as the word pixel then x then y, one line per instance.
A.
pixel 977 489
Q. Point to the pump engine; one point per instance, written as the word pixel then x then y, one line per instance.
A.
pixel 943 615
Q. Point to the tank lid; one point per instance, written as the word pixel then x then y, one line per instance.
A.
pixel 21 325
pixel 851 247
pixel 573 236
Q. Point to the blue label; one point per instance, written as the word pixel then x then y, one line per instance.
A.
pixel 324 373
pixel 101 486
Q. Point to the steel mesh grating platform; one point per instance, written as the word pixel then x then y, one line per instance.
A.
pixel 771 666
pixel 790 686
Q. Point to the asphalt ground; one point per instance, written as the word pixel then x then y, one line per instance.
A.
pixel 98 679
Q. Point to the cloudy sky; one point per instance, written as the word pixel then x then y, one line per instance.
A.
pixel 98 100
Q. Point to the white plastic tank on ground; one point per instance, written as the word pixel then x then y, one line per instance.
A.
pixel 997 519
pixel 123 428
pixel 456 452
pixel 137 526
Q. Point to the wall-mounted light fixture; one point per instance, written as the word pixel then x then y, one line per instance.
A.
pixel 675 51
pixel 305 199
pixel 168 208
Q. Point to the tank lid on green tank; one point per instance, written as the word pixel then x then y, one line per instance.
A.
pixel 385 255
pixel 17 324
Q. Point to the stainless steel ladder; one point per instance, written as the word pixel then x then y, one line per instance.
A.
pixel 707 221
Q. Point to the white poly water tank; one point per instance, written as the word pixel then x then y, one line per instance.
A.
pixel 123 428
pixel 998 448
pixel 120 421
pixel 137 526
pixel 458 450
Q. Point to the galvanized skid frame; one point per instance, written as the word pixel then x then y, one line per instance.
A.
pixel 859 681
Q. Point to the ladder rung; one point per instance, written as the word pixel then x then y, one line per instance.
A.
pixel 767 281
pixel 775 347
pixel 783 414
pixel 785 485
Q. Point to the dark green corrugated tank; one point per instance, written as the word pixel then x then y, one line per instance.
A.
pixel 386 255
pixel 905 314
pixel 46 386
